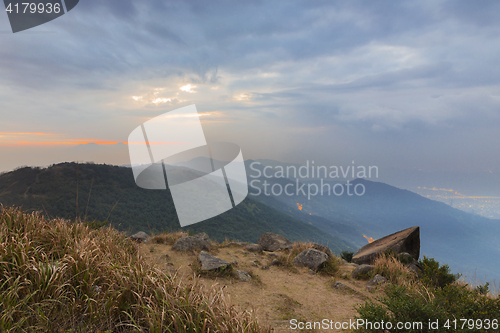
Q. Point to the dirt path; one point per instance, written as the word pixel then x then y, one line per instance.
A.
pixel 277 295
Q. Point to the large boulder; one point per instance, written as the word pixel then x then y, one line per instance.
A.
pixel 192 243
pixel 254 248
pixel 311 258
pixel 323 248
pixel 407 240
pixel 209 262
pixel 140 237
pixel 274 242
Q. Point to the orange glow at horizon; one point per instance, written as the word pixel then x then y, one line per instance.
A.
pixel 75 142
pixel 26 133
pixel 369 239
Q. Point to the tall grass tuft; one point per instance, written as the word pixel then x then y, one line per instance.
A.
pixel 393 270
pixel 56 276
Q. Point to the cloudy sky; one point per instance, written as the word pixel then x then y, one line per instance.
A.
pixel 404 84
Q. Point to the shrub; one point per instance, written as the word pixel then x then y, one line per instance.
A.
pixel 435 275
pixel 406 304
pixel 483 289
pixel 347 255
pixel 329 267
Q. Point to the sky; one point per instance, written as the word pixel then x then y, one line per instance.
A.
pixel 397 84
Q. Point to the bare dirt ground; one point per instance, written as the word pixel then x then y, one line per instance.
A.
pixel 278 294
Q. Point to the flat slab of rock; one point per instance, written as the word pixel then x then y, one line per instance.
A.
pixel 253 248
pixel 209 262
pixel 274 242
pixel 192 243
pixel 243 276
pixel 311 258
pixel 407 240
pixel 140 237
pixel 339 285
pixel 361 271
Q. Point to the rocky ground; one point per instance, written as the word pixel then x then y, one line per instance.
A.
pixel 277 294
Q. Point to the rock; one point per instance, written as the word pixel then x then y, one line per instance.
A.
pixel 339 285
pixel 274 242
pixel 310 258
pixel 254 248
pixel 192 243
pixel 406 256
pixel 264 267
pixel 311 272
pixel 361 271
pixel 276 262
pixel 166 256
pixel 323 248
pixel 415 268
pixel 273 255
pixel 209 262
pixel 377 280
pixel 202 235
pixel 243 276
pixel 407 240
pixel 140 237
pixel 234 263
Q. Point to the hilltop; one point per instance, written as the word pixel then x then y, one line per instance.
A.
pixel 108 193
pixel 58 275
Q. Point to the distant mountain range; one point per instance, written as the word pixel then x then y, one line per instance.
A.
pixel 468 243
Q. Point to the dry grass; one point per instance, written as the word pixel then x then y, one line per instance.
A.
pixel 168 237
pixel 394 271
pixel 61 276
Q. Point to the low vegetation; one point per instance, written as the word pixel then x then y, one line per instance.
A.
pixel 434 295
pixel 347 255
pixel 62 276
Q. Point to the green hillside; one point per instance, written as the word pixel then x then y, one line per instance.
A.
pixel 104 192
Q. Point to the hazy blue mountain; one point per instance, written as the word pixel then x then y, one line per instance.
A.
pixel 467 242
